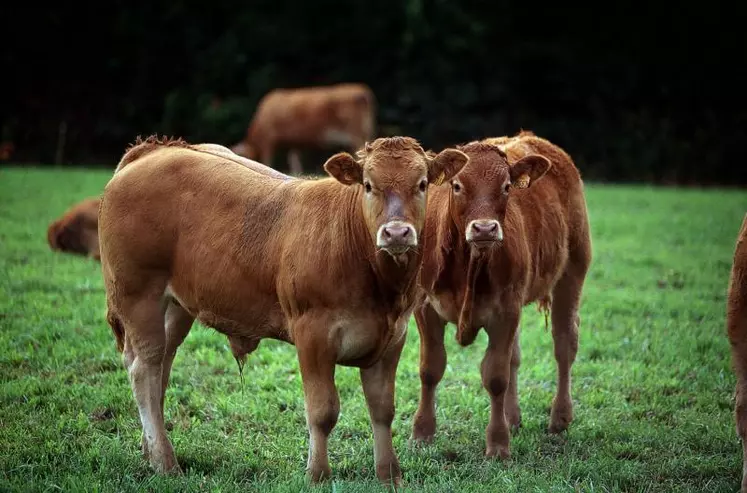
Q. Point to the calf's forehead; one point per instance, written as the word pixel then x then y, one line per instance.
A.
pixel 485 167
pixel 390 169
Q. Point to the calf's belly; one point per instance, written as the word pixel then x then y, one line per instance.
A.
pixel 256 317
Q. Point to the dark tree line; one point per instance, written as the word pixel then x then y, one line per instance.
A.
pixel 634 93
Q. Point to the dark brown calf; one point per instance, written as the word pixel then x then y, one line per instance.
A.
pixel 510 229
pixel 76 231
pixel 328 265
pixel 736 323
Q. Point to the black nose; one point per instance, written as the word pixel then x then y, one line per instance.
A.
pixel 484 228
pixel 396 233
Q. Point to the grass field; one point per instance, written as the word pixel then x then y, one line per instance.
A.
pixel 653 388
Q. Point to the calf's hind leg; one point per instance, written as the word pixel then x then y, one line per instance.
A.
pixel 739 358
pixel 178 325
pixel 736 325
pixel 142 317
pixel 565 322
pixel 512 409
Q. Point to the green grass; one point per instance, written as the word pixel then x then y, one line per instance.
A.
pixel 653 389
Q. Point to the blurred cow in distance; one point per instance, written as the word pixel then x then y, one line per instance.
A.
pixel 6 150
pixel 76 231
pixel 322 117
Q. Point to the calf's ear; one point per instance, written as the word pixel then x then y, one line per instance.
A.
pixel 445 165
pixel 344 168
pixel 529 169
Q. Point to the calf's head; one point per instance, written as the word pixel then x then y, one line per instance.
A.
pixel 77 231
pixel 394 174
pixel 481 191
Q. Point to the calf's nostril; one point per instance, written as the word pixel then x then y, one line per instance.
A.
pixel 396 233
pixel 483 228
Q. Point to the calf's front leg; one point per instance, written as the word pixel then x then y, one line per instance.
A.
pixel 378 386
pixel 432 367
pixel 496 372
pixel 322 402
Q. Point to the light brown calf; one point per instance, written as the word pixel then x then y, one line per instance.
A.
pixel 76 231
pixel 736 323
pixel 492 247
pixel 341 115
pixel 328 265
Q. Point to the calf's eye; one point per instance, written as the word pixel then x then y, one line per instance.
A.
pixel 368 187
pixel 423 185
pixel 457 187
pixel 506 187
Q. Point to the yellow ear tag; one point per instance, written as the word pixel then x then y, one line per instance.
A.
pixel 440 179
pixel 522 181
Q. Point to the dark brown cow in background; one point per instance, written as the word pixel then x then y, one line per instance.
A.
pixel 329 265
pixel 510 229
pixel 6 150
pixel 736 324
pixel 341 115
pixel 76 231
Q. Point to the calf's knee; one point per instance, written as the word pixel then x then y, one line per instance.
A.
pixel 496 385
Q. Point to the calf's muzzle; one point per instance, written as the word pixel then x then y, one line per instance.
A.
pixel 484 232
pixel 396 237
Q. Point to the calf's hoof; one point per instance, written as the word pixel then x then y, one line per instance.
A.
pixel 420 441
pixel 502 452
pixel 514 419
pixel 318 474
pixel 423 431
pixel 163 460
pixel 168 467
pixel 389 473
pixel 560 418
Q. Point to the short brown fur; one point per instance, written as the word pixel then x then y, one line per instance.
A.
pixel 736 324
pixel 491 248
pixel 186 234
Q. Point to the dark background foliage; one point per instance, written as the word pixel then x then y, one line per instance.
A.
pixel 634 93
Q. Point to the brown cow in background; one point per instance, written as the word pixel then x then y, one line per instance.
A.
pixel 510 229
pixel 736 323
pixel 342 115
pixel 76 231
pixel 328 265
